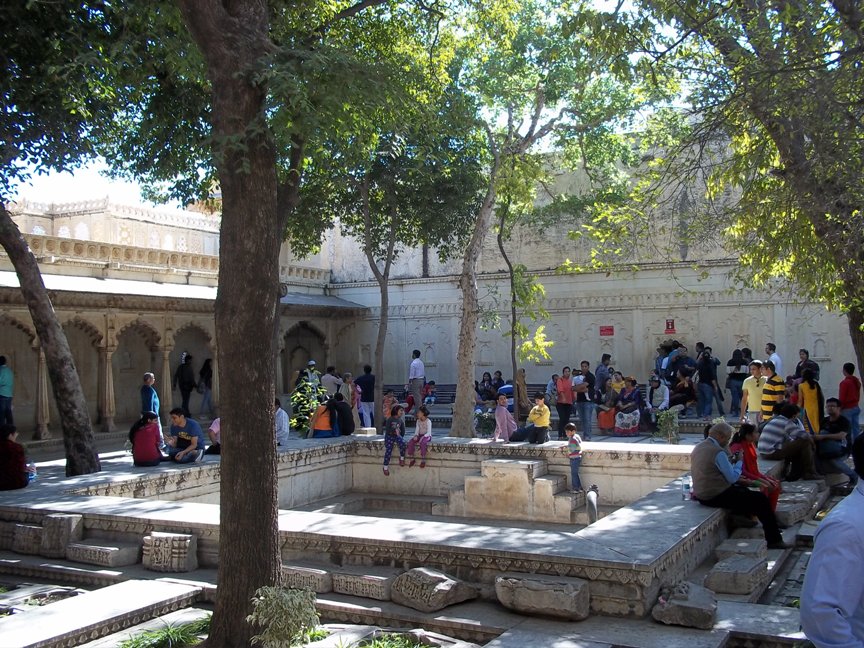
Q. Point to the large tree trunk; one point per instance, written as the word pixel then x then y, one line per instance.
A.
pixel 233 37
pixel 78 441
pixel 463 411
pixel 856 322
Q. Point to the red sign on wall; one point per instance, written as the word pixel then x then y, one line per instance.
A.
pixel 607 331
pixel 670 326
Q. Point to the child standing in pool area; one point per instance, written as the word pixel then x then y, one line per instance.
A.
pixel 394 432
pixel 574 453
pixel 422 436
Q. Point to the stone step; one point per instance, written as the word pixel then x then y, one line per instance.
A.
pixel 366 581
pixel 178 618
pixel 104 553
pixel 549 485
pixel 533 467
pixel 76 620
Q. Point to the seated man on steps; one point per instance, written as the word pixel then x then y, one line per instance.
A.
pixel 185 440
pixel 783 437
pixel 717 482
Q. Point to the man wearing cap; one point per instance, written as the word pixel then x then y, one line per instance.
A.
pixel 658 400
pixel 309 376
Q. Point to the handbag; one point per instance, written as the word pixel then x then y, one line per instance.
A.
pixel 830 449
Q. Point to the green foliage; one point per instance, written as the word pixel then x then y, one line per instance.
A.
pixel 304 402
pixel 171 636
pixel 534 348
pixel 484 424
pixel 667 426
pixel 771 144
pixel 284 615
pixel 394 641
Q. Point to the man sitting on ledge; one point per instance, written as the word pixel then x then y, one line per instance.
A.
pixel 717 482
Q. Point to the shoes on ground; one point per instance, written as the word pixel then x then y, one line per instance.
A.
pixel 812 477
pixel 411 463
pixel 422 464
pixel 386 471
pixel 401 461
pixel 779 545
pixel 199 455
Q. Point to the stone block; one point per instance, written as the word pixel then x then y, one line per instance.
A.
pixel 103 553
pixel 365 431
pixel 809 487
pixel 27 539
pixel 789 513
pixel 740 547
pixel 428 590
pixel 737 575
pixel 7 536
pixel 373 586
pixel 170 552
pixel 689 605
pixel 58 530
pixel 299 577
pixel 756 533
pixel 538 594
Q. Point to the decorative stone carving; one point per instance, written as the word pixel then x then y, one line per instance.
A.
pixel 789 513
pixel 688 605
pixel 299 577
pixel 557 596
pixel 742 547
pixel 373 586
pixel 428 590
pixel 737 575
pixel 28 539
pixel 100 552
pixel 7 535
pixel 170 552
pixel 58 530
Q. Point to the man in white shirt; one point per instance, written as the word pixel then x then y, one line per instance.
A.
pixel 283 428
pixel 331 381
pixel 773 356
pixel 416 378
pixel 832 601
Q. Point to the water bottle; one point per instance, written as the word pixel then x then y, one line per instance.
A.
pixel 31 472
pixel 686 487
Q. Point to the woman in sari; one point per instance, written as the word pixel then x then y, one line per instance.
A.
pixel 606 398
pixel 629 409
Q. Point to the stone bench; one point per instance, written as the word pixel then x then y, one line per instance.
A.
pixel 104 611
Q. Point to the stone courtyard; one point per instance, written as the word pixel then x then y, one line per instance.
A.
pixel 485 545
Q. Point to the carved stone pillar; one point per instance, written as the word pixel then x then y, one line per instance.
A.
pixel 43 417
pixel 214 390
pixel 108 408
pixel 166 397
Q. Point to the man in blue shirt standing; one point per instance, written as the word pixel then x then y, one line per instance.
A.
pixel 7 383
pixel 718 482
pixel 832 601
pixel 186 439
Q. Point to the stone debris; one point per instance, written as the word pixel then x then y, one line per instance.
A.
pixel 737 575
pixel 170 552
pixel 58 530
pixel 688 605
pixel 556 596
pixel 790 513
pixel 103 553
pixel 428 590
pixel 319 581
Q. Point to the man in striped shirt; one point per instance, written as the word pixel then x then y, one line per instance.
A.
pixel 773 391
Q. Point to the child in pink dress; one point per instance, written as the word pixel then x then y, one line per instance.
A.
pixel 422 436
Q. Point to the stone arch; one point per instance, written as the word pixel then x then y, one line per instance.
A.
pixel 84 341
pixel 5 318
pixel 190 337
pixel 302 342
pixel 193 325
pixel 136 353
pixel 145 330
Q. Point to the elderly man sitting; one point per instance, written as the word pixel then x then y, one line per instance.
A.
pixel 717 482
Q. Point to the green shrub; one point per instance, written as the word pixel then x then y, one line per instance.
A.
pixel 284 615
pixel 171 636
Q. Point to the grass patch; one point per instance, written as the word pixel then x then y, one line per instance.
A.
pixel 171 636
pixel 394 641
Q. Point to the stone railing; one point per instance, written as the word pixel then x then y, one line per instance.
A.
pixel 49 249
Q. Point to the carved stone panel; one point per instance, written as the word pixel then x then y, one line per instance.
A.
pixel 170 552
pixel 58 530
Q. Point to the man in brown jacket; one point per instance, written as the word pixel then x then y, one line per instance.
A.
pixel 717 482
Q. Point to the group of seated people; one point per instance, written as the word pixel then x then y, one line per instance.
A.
pixel 184 443
pixel 726 473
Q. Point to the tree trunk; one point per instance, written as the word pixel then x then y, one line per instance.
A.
pixel 856 322
pixel 78 441
pixel 233 36
pixel 513 363
pixel 463 411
